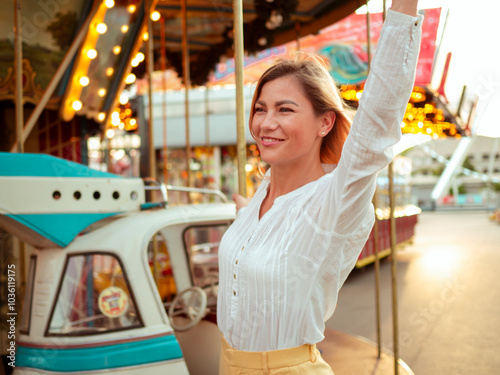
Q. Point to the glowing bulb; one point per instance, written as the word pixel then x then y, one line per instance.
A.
pixel 115 121
pixel 155 16
pixel 110 133
pixel 131 8
pixel 91 54
pixel 130 79
pixel 117 49
pixel 101 116
pixel 123 99
pixel 124 29
pixel 101 28
pixel 134 62
pixel 101 92
pixel 84 81
pixel 109 72
pixel 145 36
pixel 109 3
pixel 77 105
pixel 121 126
pixel 140 56
pixel 133 121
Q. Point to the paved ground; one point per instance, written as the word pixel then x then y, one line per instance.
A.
pixel 449 297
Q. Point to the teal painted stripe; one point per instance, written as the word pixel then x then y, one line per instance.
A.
pixel 42 165
pixel 59 228
pixel 104 357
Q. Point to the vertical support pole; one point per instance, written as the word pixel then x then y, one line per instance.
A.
pixel 18 47
pixel 240 105
pixel 368 37
pixel 297 35
pixel 395 324
pixel 207 119
pixel 376 244
pixel 187 84
pixel 375 204
pixel 150 68
pixel 163 61
pixel 156 270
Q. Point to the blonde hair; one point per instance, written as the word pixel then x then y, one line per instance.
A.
pixel 319 87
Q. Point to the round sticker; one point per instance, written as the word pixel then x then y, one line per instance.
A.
pixel 113 302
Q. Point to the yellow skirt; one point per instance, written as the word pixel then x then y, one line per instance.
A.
pixel 304 359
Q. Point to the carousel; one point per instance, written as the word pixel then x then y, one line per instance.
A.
pixel 116 264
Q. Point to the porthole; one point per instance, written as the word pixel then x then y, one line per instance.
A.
pixel 97 195
pixel 56 194
pixel 134 195
pixel 116 195
pixel 77 195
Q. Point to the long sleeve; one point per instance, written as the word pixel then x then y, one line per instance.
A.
pixel 377 124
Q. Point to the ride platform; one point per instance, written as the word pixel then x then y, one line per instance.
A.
pixel 351 355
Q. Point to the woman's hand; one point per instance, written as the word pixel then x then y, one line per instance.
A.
pixel 405 6
pixel 240 201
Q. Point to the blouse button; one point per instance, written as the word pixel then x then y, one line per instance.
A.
pixel 236 261
pixel 235 276
pixel 416 23
pixel 242 248
pixel 234 292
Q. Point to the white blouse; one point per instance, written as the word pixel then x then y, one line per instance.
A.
pixel 280 275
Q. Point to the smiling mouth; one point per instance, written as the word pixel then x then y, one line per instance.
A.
pixel 271 140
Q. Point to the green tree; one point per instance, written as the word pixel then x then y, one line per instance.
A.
pixel 62 28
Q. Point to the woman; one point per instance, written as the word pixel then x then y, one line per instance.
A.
pixel 287 254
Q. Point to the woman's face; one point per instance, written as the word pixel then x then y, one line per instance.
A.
pixel 284 124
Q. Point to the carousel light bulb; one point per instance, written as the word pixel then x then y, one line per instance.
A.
pixel 124 28
pixel 109 3
pixel 133 121
pixel 91 54
pixel 117 50
pixel 115 121
pixel 145 36
pixel 123 99
pixel 84 81
pixel 155 16
pixel 77 105
pixel 131 8
pixel 130 79
pixel 109 72
pixel 101 116
pixel 121 126
pixel 101 92
pixel 134 63
pixel 110 133
pixel 140 56
pixel 101 28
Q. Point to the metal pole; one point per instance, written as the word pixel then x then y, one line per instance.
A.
pixel 207 119
pixel 368 37
pixel 375 204
pixel 297 35
pixel 376 244
pixel 18 47
pixel 150 69
pixel 164 106
pixel 187 84
pixel 395 325
pixel 240 105
pixel 57 77
pixel 384 10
